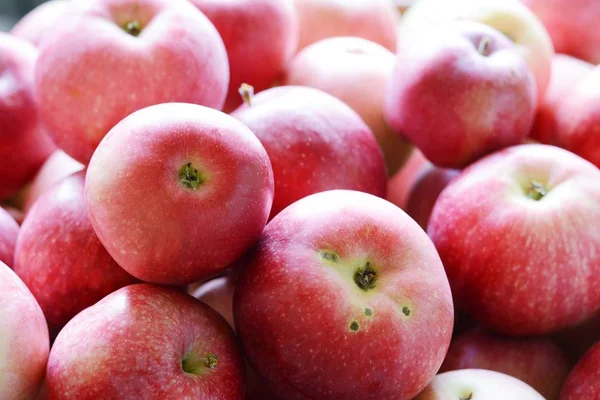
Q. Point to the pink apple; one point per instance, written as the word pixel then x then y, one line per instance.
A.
pixel 261 36
pixel 567 72
pixel 36 25
pixel 477 384
pixel 355 71
pixel 15 213
pixel 24 145
pixel 315 143
pixel 57 167
pixel 177 192
pixel 108 58
pixel 400 185
pixel 460 92
pixel 344 297
pixel 538 362
pixel 518 236
pixel 146 342
pixel 584 380
pixel 572 25
pixel 373 20
pixel 60 258
pixel 9 229
pixel 24 340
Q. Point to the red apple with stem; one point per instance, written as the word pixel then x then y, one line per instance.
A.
pixel 106 59
pixel 315 143
pixel 344 282
pixel 583 381
pixel 261 36
pixel 24 340
pixel 178 192
pixel 39 22
pixel 9 230
pixel 518 236
pixel 539 362
pixel 146 342
pixel 60 258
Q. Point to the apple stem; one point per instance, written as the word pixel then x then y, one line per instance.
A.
pixel 484 46
pixel 536 191
pixel 133 28
pixel 247 93
pixel 190 177
pixel 210 361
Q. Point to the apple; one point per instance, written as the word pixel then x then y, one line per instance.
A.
pixel 57 167
pixel 572 25
pixel 400 185
pixel 518 236
pixel 315 143
pixel 583 381
pixel 261 36
pixel 178 192
pixel 577 340
pixel 34 26
pixel 374 20
pixel 344 297
pixel 108 58
pixel 24 144
pixel 146 342
pixel 510 17
pixel 356 71
pixel 539 362
pixel 477 384
pixel 24 340
pixel 59 257
pixel 567 72
pixel 460 92
pixel 15 213
pixel 9 230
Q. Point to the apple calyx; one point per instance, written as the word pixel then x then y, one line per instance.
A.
pixel 133 28
pixel 193 365
pixel 468 397
pixel 190 177
pixel 365 277
pixel 247 93
pixel 484 46
pixel 536 191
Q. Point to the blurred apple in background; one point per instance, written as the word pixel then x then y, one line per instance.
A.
pixel 218 294
pixel 9 230
pixel 577 340
pixel 357 72
pixel 34 26
pixel 400 185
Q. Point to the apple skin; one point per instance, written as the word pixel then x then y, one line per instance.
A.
pixel 315 143
pixel 567 72
pixel 24 340
pixel 583 381
pixel 539 362
pixel 400 185
pixel 261 36
pixel 34 26
pixel 577 340
pixel 335 66
pixel 24 144
pixel 374 20
pixel 572 25
pixel 59 257
pixel 9 230
pixel 135 359
pixel 510 17
pixel 455 103
pixel 477 384
pixel 57 167
pixel 297 303
pixel 517 265
pixel 164 225
pixel 92 73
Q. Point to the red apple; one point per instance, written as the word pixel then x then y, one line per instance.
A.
pixel 108 58
pixel 577 340
pixel 583 381
pixel 146 342
pixel 355 71
pixel 567 72
pixel 261 36
pixel 460 92
pixel 344 297
pixel 60 258
pixel 519 235
pixel 9 230
pixel 57 167
pixel 315 143
pixel 400 185
pixel 373 20
pixel 37 24
pixel 24 340
pixel 539 362
pixel 24 145
pixel 477 384
pixel 177 192
pixel 572 25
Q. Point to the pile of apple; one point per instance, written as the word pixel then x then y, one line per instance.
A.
pixel 301 199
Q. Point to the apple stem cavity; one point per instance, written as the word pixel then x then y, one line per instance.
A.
pixel 133 28
pixel 468 397
pixel 536 191
pixel 194 366
pixel 484 46
pixel 190 177
pixel 247 93
pixel 365 277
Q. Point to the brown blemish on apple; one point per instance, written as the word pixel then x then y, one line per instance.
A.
pixel 365 277
pixel 247 93
pixel 354 326
pixel 536 191
pixel 190 177
pixel 368 312
pixel 133 28
pixel 330 255
pixel 406 311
